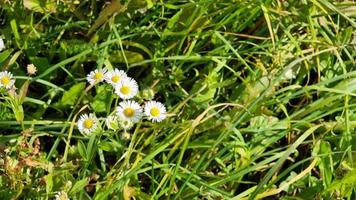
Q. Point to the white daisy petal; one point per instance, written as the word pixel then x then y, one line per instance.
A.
pixel 2 45
pixel 114 77
pixel 155 111
pixel 87 124
pixel 6 80
pixel 96 76
pixel 61 196
pixel 129 110
pixel 127 88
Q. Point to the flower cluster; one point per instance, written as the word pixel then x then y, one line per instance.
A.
pixel 128 111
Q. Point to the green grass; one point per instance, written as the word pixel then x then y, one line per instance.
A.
pixel 260 96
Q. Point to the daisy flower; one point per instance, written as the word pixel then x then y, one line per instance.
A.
pixel 155 111
pixel 2 45
pixel 127 88
pixel 96 76
pixel 129 110
pixel 61 196
pixel 87 123
pixel 6 80
pixel 114 77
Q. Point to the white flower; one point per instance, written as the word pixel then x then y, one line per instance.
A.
pixel 155 111
pixel 2 45
pixel 61 196
pixel 129 110
pixel 96 76
pixel 289 74
pixel 127 88
pixel 31 69
pixel 87 123
pixel 114 77
pixel 6 80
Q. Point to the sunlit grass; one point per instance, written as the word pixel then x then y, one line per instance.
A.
pixel 260 99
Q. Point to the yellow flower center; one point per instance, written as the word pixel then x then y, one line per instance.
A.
pixel 5 80
pixel 125 90
pixel 155 112
pixel 88 123
pixel 115 78
pixel 98 76
pixel 129 112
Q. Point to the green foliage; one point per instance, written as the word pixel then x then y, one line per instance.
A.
pixel 71 96
pixel 260 96
pixel 102 100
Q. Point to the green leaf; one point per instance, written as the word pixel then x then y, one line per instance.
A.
pixel 310 192
pixel 188 19
pixel 206 88
pixel 91 147
pixel 173 20
pixel 149 3
pixel 132 57
pixel 102 98
pixel 110 146
pixel 78 186
pixel 41 6
pixel 49 183
pixel 41 63
pixel 17 109
pixel 4 55
pixel 71 96
pixel 326 165
pixel 23 91
pixel 343 186
pixel 19 115
pixel 114 7
pixel 81 149
pixel 14 29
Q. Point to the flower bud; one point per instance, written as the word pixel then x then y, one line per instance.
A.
pixel 112 122
pixel 31 69
pixel 125 124
pixel 148 94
